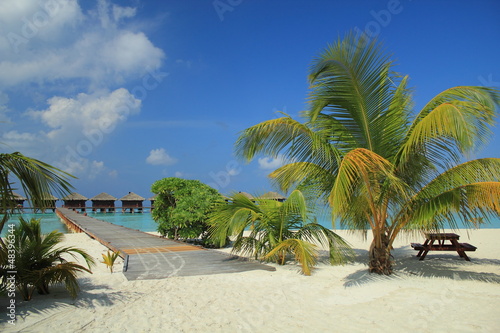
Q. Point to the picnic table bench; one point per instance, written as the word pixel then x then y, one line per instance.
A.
pixel 454 245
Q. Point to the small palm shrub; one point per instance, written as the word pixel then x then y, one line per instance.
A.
pixel 39 262
pixel 276 230
pixel 109 259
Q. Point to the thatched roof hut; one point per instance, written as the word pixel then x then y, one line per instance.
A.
pixel 132 200
pixel 103 201
pixel 103 197
pixel 248 195
pixel 131 196
pixel 19 199
pixel 49 202
pixel 74 200
pixel 273 196
pixel 152 199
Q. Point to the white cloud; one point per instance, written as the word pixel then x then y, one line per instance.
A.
pixel 69 44
pixel 76 60
pixel 18 141
pixel 96 168
pixel 268 163
pixel 160 157
pixel 16 136
pixel 4 100
pixel 76 128
pixel 37 23
pixel 88 115
pixel 123 12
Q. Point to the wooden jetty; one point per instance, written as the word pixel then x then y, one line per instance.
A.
pixel 151 257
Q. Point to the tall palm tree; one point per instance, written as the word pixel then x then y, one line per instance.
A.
pixel 40 262
pixel 276 230
pixel 380 164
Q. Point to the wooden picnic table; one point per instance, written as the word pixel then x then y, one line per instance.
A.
pixel 453 245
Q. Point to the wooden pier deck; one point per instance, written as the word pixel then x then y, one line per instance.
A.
pixel 152 257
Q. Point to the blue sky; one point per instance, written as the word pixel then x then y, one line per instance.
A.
pixel 123 93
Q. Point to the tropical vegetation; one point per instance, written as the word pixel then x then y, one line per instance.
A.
pixel 40 262
pixel 109 259
pixel 36 179
pixel 276 230
pixel 380 164
pixel 181 207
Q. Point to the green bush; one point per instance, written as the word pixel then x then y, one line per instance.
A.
pixel 182 207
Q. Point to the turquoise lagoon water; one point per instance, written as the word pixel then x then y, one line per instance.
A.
pixel 138 221
pixel 50 221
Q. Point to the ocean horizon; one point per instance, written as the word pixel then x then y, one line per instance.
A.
pixel 144 221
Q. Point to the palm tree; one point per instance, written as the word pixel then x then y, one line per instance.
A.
pixel 36 179
pixel 276 230
pixel 39 263
pixel 380 165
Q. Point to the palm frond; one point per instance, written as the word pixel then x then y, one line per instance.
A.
pixel 350 81
pixel 305 253
pixel 40 263
pixel 63 273
pixel 305 174
pixel 465 203
pixel 340 251
pixel 359 166
pixel 454 123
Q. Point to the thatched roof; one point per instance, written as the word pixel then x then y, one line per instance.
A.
pixel 49 196
pixel 74 197
pixel 153 198
pixel 131 196
pixel 17 196
pixel 273 196
pixel 103 197
pixel 248 195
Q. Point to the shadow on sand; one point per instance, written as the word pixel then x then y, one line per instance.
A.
pixel 58 301
pixel 441 265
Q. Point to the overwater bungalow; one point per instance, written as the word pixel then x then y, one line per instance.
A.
pixel 103 202
pixel 273 196
pixel 19 200
pixel 132 202
pixel 152 200
pixel 49 203
pixel 16 203
pixel 75 201
pixel 248 195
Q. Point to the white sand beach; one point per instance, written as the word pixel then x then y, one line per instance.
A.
pixel 442 293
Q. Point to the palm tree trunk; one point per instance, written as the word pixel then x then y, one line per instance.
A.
pixel 380 255
pixel 42 288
